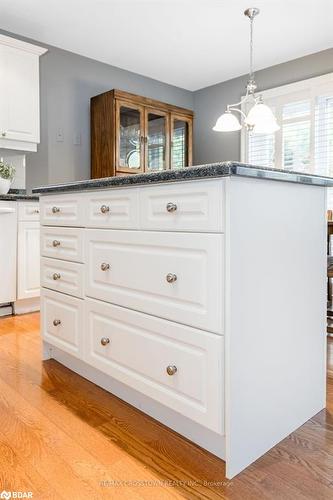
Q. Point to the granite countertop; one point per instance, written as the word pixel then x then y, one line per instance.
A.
pixel 212 170
pixel 18 195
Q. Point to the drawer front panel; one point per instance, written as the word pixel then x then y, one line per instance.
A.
pixel 139 350
pixel 197 206
pixel 62 210
pixel 116 209
pixel 62 243
pixel 133 269
pixel 28 211
pixel 62 319
pixel 66 277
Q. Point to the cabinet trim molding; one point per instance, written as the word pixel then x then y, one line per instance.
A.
pixel 19 44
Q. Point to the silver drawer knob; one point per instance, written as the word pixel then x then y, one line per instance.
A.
pixel 55 210
pixel 105 341
pixel 171 278
pixel 56 276
pixel 56 322
pixel 3 134
pixel 55 243
pixel 105 209
pixel 105 266
pixel 171 207
pixel 171 369
pixel 36 211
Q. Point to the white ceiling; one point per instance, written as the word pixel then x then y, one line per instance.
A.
pixel 188 43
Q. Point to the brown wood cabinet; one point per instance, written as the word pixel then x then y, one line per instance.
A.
pixel 132 134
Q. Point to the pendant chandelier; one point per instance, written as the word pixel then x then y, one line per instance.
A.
pixel 260 118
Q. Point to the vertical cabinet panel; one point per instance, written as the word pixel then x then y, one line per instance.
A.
pixel 19 94
pixel 181 141
pixel 129 137
pixel 28 282
pixel 156 140
pixel 22 95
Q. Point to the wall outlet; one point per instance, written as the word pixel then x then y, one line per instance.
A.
pixel 60 135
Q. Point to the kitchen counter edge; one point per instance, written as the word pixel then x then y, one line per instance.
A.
pixel 212 170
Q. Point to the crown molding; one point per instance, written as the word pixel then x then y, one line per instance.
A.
pixel 19 44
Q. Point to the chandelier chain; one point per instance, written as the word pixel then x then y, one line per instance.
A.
pixel 251 49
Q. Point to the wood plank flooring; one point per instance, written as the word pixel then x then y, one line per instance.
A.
pixel 61 437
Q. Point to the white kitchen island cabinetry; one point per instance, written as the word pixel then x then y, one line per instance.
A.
pixel 201 302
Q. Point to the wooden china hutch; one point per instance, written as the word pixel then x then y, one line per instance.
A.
pixel 132 134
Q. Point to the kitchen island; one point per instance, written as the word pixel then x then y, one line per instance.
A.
pixel 196 295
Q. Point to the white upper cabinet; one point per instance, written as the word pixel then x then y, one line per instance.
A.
pixel 19 94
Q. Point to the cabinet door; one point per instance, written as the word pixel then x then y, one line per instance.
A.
pixel 156 140
pixel 20 74
pixel 181 141
pixel 129 137
pixel 28 274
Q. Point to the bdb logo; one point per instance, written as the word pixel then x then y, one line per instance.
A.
pixel 15 494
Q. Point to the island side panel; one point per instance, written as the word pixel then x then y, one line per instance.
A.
pixel 275 331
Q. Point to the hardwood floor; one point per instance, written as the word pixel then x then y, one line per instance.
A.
pixel 61 437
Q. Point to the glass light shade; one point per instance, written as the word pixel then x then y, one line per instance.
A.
pixel 227 123
pixel 261 118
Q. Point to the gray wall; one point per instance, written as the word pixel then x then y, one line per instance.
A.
pixel 67 81
pixel 210 102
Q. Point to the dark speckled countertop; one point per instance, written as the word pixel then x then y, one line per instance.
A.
pixel 18 195
pixel 212 170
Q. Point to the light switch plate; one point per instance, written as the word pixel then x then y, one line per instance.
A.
pixel 77 139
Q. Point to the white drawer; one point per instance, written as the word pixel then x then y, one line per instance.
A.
pixel 196 206
pixel 66 277
pixel 139 348
pixel 62 321
pixel 115 209
pixel 139 263
pixel 62 210
pixel 28 211
pixel 62 243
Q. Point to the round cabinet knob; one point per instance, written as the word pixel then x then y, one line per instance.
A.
pixel 171 278
pixel 105 209
pixel 56 243
pixel 36 211
pixel 105 266
pixel 171 207
pixel 56 322
pixel 55 210
pixel 3 134
pixel 56 276
pixel 105 341
pixel 171 369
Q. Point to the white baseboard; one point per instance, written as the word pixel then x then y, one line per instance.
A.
pixel 25 306
pixel 205 438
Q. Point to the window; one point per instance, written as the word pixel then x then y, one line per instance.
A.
pixel 304 143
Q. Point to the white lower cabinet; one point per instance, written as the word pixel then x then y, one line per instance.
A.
pixel 62 276
pixel 28 253
pixel 63 321
pixel 65 243
pixel 176 365
pixel 176 277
